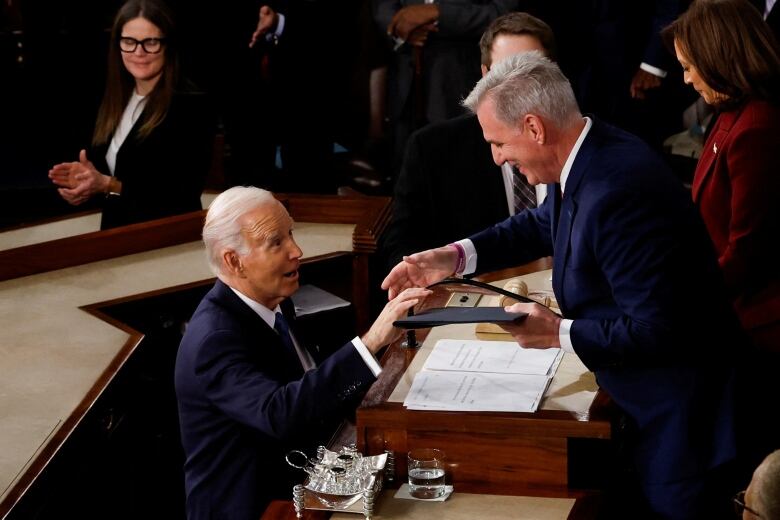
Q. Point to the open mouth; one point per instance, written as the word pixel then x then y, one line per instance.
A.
pixel 291 274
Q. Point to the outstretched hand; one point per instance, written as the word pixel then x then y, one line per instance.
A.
pixel 382 332
pixel 78 181
pixel 540 329
pixel 421 270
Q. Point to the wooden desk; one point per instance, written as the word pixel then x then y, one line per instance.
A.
pixel 58 359
pixel 487 452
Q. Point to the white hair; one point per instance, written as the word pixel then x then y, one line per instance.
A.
pixel 222 230
pixel 527 83
pixel 767 491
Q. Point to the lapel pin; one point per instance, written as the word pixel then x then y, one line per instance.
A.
pixel 714 147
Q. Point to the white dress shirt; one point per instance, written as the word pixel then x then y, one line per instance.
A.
pixel 135 106
pixel 471 252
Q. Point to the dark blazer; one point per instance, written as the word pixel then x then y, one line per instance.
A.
pixel 634 269
pixel 244 402
pixel 449 187
pixel 164 173
pixel 450 57
pixel 774 16
pixel 736 187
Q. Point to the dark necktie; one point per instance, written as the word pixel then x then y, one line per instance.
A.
pixel 280 325
pixel 523 194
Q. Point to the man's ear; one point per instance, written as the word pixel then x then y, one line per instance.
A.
pixel 232 263
pixel 535 127
pixel 484 70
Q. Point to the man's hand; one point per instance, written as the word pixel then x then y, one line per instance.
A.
pixel 538 330
pixel 642 82
pixel 78 181
pixel 419 36
pixel 267 22
pixel 409 18
pixel 382 331
pixel 421 270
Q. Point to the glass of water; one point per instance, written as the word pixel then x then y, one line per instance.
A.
pixel 426 473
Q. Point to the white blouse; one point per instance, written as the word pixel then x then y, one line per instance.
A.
pixel 133 110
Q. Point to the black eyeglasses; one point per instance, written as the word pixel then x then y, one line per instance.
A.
pixel 149 45
pixel 739 505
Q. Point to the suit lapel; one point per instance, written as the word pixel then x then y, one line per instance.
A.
pixel 269 345
pixel 711 150
pixel 568 209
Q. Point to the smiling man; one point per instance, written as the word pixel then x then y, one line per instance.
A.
pixel 629 251
pixel 248 390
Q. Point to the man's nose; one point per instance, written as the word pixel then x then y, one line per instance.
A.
pixel 498 158
pixel 295 251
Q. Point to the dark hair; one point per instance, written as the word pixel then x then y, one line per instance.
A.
pixel 517 24
pixel 732 48
pixel 120 83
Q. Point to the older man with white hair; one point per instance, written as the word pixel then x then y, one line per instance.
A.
pixel 761 499
pixel 629 254
pixel 248 391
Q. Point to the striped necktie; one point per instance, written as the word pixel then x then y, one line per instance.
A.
pixel 523 194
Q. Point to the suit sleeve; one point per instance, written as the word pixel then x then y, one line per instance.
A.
pixel 656 53
pixel 383 12
pixel 459 18
pixel 519 239
pixel 257 399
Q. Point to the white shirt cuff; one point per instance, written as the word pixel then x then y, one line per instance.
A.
pixel 279 29
pixel 471 256
pixel 564 337
pixel 368 357
pixel 655 71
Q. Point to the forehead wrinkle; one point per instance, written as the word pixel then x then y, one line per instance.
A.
pixel 267 224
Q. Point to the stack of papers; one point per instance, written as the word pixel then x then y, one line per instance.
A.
pixel 472 375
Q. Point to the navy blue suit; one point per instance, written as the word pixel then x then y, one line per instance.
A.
pixel 244 402
pixel 635 270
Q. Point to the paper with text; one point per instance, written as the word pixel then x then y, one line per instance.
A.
pixel 472 391
pixel 502 357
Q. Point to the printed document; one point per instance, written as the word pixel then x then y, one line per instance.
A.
pixel 471 375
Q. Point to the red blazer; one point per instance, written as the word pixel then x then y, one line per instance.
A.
pixel 737 189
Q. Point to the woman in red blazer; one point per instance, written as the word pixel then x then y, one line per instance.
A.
pixel 729 55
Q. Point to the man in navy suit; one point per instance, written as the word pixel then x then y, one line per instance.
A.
pixel 635 276
pixel 248 391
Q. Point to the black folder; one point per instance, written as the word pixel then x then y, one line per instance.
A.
pixel 448 315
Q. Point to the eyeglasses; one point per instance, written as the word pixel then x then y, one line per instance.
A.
pixel 739 505
pixel 149 45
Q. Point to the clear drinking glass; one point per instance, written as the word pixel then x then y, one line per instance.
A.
pixel 426 473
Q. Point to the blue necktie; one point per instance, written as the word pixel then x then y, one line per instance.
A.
pixel 280 325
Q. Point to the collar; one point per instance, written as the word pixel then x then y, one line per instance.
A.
pixel 268 315
pixel 573 154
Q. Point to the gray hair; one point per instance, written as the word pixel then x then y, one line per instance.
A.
pixel 767 491
pixel 527 83
pixel 222 230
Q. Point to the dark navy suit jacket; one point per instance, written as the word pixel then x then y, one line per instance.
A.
pixel 244 402
pixel 635 270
